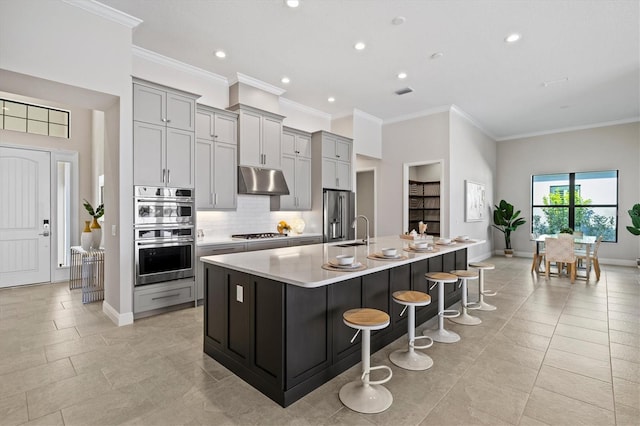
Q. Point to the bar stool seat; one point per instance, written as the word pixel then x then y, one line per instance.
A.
pixel 440 334
pixel 464 318
pixel 481 267
pixel 364 395
pixel 408 358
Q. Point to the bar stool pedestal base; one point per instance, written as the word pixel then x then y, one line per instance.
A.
pixel 442 335
pixel 411 360
pixel 466 319
pixel 484 306
pixel 368 399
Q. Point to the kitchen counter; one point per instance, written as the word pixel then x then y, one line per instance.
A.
pixel 302 266
pixel 274 317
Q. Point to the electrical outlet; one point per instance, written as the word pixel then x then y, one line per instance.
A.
pixel 113 230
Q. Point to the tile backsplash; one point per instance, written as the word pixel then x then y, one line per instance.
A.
pixel 252 215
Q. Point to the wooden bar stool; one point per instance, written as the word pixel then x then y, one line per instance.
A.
pixel 408 358
pixel 481 267
pixel 364 395
pixel 440 334
pixel 464 318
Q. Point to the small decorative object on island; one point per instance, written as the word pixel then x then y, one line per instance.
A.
pixel 297 225
pixel 96 230
pixel 506 221
pixel 86 239
pixel 283 227
pixel 422 227
pixel 634 214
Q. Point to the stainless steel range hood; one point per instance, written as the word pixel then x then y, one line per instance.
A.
pixel 259 181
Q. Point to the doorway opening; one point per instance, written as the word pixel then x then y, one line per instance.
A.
pixel 424 199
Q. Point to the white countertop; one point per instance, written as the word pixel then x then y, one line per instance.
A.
pixel 302 265
pixel 207 241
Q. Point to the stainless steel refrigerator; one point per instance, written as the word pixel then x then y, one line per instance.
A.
pixel 339 213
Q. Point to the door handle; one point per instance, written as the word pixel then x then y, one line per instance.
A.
pixel 45 234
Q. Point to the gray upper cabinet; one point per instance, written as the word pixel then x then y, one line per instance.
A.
pixel 296 167
pixel 335 162
pixel 163 136
pixel 259 137
pixel 216 159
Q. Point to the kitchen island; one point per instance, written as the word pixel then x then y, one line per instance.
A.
pixel 274 317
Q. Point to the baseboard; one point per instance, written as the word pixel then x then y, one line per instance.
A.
pixel 115 316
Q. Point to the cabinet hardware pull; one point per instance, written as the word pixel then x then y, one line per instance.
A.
pixel 168 176
pixel 164 171
pixel 215 198
pixel 165 297
pixel 211 198
pixel 168 121
pixel 164 120
pixel 337 156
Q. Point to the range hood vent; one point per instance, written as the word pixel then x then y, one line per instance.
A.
pixel 259 181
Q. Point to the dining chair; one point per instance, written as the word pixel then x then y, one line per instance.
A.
pixel 538 254
pixel 560 251
pixel 590 258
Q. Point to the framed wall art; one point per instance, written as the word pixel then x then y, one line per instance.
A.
pixel 474 201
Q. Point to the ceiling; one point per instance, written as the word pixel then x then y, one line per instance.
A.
pixel 586 50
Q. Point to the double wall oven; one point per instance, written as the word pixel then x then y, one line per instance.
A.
pixel 164 239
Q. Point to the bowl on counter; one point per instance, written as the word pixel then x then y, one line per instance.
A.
pixel 389 252
pixel 421 245
pixel 444 240
pixel 344 259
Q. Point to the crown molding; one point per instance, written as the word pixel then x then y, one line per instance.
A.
pixel 417 114
pixel 367 116
pixel 303 108
pixel 571 129
pixel 177 65
pixel 258 84
pixel 107 12
pixel 463 114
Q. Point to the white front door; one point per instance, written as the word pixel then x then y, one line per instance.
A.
pixel 25 220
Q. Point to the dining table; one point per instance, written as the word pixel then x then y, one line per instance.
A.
pixel 584 240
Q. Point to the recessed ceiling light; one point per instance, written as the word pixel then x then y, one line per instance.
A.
pixel 437 55
pixel 402 75
pixel 359 46
pixel 292 3
pixel 512 38
pixel 220 54
pixel 285 80
pixel 398 20
pixel 331 99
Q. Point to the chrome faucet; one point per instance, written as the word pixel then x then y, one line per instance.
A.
pixel 353 225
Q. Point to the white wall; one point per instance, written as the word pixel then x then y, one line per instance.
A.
pixel 367 134
pixel 422 139
pixel 473 157
pixel 61 43
pixel 303 118
pixel 602 148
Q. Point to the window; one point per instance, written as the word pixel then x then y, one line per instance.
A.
pixel 39 120
pixel 586 202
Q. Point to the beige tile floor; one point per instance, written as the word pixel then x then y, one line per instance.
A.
pixel 553 353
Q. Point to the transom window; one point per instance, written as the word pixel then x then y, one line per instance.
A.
pixel 586 202
pixel 36 119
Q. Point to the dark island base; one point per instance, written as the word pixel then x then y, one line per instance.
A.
pixel 287 340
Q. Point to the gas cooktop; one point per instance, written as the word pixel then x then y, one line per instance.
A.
pixel 258 236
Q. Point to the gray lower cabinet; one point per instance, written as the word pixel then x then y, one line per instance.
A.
pixel 157 296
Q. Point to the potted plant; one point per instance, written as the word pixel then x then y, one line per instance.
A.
pixel 506 221
pixel 634 213
pixel 96 231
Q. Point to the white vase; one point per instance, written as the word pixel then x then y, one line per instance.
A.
pixel 86 238
pixel 96 234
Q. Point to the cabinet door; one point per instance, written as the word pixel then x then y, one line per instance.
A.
pixel 329 173
pixel 148 154
pixel 249 138
pixel 303 146
pixel 288 202
pixel 149 105
pixel 303 183
pixel 288 143
pixel 328 147
pixel 204 125
pixel 204 174
pixel 271 142
pixel 224 129
pixel 181 112
pixel 225 176
pixel 343 175
pixel 343 150
pixel 180 158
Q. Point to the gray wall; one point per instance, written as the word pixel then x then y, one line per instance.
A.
pixel 602 148
pixel 365 202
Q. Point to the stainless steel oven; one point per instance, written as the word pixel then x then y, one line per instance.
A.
pixel 164 230
pixel 164 253
pixel 155 205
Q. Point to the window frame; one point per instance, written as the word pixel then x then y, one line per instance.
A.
pixel 572 205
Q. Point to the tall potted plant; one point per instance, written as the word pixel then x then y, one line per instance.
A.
pixel 506 221
pixel 634 213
